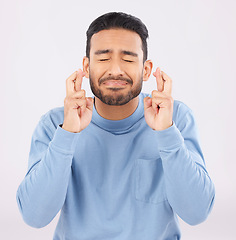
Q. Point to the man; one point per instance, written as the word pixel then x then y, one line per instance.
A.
pixel 123 164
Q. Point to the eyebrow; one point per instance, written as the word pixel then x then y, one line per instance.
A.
pixel 99 52
pixel 130 53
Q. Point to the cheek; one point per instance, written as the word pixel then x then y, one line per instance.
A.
pixel 96 71
pixel 136 73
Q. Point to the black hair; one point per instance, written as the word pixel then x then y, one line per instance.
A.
pixel 116 20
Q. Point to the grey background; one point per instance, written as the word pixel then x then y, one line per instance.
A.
pixel 43 42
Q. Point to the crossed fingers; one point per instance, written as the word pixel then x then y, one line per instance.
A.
pixel 74 82
pixel 164 82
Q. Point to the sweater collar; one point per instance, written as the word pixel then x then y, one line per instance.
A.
pixel 122 125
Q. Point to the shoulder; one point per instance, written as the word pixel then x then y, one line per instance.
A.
pixel 53 117
pixel 181 108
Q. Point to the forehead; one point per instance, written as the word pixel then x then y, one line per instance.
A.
pixel 116 39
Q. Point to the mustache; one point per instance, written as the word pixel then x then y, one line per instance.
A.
pixel 115 78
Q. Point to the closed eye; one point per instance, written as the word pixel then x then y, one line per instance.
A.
pixel 102 60
pixel 128 60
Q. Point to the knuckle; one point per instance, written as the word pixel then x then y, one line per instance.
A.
pixel 68 79
pixel 79 94
pixel 154 92
pixel 75 95
pixel 170 100
pixel 153 101
pixel 81 101
pixel 67 100
pixel 82 92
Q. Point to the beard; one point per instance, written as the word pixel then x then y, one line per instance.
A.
pixel 116 99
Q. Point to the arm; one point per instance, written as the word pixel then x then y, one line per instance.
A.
pixel 190 190
pixel 42 193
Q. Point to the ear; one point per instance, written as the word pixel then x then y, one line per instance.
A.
pixel 147 70
pixel 86 66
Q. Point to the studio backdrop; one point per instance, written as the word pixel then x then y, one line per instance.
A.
pixel 43 43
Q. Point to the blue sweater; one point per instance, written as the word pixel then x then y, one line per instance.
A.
pixel 118 180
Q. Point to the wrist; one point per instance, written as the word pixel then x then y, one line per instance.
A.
pixel 164 127
pixel 63 126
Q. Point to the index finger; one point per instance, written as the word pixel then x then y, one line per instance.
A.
pixel 159 79
pixel 78 80
pixel 70 85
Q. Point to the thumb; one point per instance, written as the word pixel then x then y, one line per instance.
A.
pixel 147 102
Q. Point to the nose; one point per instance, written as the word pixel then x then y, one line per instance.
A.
pixel 115 68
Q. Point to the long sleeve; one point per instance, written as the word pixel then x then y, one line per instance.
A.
pixel 190 191
pixel 42 192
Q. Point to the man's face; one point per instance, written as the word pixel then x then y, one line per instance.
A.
pixel 116 66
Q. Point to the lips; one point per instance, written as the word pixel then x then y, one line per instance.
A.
pixel 115 83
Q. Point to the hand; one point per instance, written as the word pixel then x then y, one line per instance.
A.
pixel 78 109
pixel 158 110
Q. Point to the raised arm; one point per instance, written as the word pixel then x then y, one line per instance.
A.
pixel 42 192
pixel 190 190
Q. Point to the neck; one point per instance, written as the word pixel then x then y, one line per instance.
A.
pixel 116 112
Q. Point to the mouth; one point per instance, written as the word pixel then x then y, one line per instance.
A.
pixel 114 83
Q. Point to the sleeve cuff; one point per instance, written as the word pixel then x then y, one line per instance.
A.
pixel 64 140
pixel 169 138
